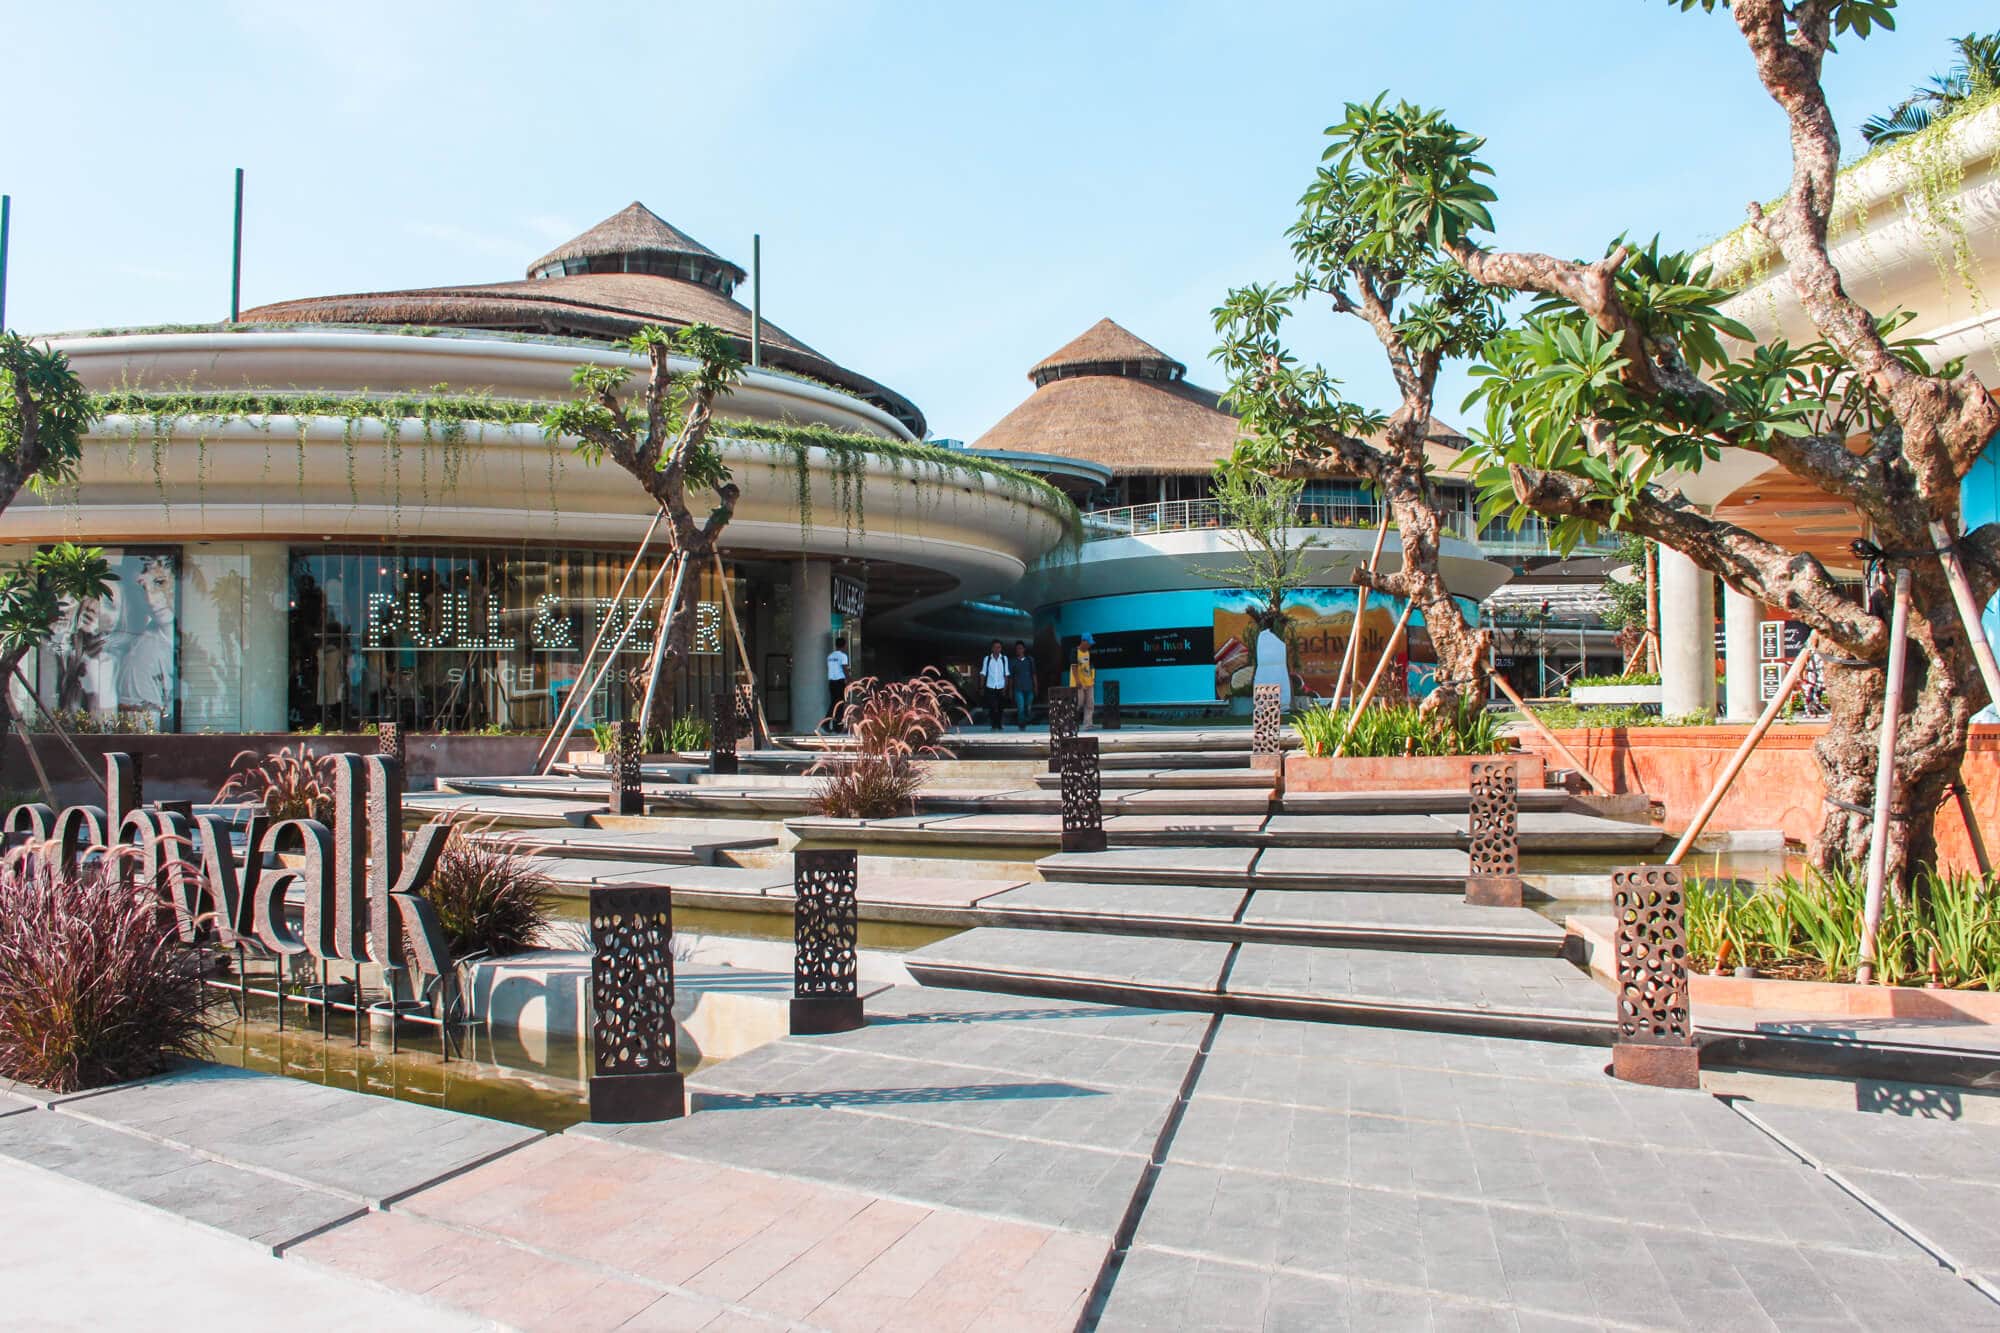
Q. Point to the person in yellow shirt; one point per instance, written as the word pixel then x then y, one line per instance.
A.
pixel 1084 677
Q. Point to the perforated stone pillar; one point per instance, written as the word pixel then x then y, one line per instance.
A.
pixel 1108 717
pixel 826 930
pixel 1266 719
pixel 1493 826
pixel 1082 796
pixel 1655 1027
pixel 635 1072
pixel 1065 716
pixel 628 796
pixel 392 744
pixel 722 732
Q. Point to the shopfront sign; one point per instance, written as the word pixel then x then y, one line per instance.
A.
pixel 850 596
pixel 362 898
pixel 420 623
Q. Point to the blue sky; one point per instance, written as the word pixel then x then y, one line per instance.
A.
pixel 947 191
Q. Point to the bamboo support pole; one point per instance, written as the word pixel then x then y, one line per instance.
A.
pixel 1742 755
pixel 1375 677
pixel 1542 727
pixel 763 736
pixel 55 725
pixel 1968 611
pixel 1652 562
pixel 1885 775
pixel 610 658
pixel 1348 656
pixel 662 631
pixel 541 755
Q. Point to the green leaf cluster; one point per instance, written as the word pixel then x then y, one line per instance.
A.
pixel 43 406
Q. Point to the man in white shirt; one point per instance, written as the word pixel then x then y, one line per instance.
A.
pixel 993 674
pixel 836 683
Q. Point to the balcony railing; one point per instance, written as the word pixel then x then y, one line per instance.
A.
pixel 1495 538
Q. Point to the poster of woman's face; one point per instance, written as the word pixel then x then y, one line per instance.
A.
pixel 114 659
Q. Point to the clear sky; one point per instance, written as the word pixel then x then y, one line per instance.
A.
pixel 947 191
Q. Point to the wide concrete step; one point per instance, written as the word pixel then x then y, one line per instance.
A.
pixel 668 846
pixel 1414 802
pixel 1542 998
pixel 1159 779
pixel 1421 869
pixel 501 811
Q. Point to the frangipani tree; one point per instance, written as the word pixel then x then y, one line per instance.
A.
pixel 1258 513
pixel 1620 376
pixel 33 597
pixel 1422 310
pixel 44 412
pixel 661 435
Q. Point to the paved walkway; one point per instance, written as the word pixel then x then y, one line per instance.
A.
pixel 974 1161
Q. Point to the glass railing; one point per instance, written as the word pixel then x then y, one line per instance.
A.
pixel 1190 515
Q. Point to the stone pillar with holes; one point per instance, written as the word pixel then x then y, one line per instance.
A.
pixel 628 794
pixel 1655 1043
pixel 1110 717
pixel 391 743
pixel 722 733
pixel 826 933
pixel 1065 716
pixel 1267 720
pixel 1493 877
pixel 1082 796
pixel 635 1074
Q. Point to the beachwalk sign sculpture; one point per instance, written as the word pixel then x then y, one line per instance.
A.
pixel 361 896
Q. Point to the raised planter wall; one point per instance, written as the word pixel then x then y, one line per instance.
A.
pixel 1420 773
pixel 192 767
pixel 1614 694
pixel 1779 787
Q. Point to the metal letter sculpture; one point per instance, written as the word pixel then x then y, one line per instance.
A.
pixel 1082 796
pixel 826 926
pixel 392 744
pixel 1493 824
pixel 1655 1031
pixel 635 1073
pixel 1108 717
pixel 628 793
pixel 1065 716
pixel 722 739
pixel 1267 717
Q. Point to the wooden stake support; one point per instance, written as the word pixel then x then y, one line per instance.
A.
pixel 1885 776
pixel 1567 756
pixel 1742 755
pixel 1375 678
pixel 1347 658
pixel 541 755
pixel 609 658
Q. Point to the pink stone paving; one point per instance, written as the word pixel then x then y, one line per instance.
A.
pixel 576 1233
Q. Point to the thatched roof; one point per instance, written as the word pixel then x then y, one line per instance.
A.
pixel 1110 397
pixel 1106 348
pixel 632 231
pixel 599 304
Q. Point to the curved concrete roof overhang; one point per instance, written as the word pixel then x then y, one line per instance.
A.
pixel 1174 561
pixel 354 360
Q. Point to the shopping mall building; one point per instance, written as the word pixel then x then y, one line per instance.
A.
pixel 343 509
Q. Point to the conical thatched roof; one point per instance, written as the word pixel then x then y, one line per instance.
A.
pixel 634 230
pixel 1106 347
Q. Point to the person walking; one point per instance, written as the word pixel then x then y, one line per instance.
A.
pixel 1084 676
pixel 1021 672
pixel 993 673
pixel 836 683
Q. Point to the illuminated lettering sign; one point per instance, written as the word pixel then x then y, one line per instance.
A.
pixel 415 622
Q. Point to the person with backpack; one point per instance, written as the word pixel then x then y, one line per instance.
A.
pixel 993 675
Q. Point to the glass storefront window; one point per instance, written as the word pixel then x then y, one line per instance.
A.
pixel 113 663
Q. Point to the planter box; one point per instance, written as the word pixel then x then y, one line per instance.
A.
pixel 1304 773
pixel 1614 694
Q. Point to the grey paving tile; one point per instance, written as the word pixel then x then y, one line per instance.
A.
pixel 1362 830
pixel 951 1096
pixel 254 1206
pixel 1554 1264
pixel 1189 966
pixel 1033 1049
pixel 993 1175
pixel 1152 865
pixel 1269 1058
pixel 1130 904
pixel 1904 1145
pixel 1570 831
pixel 1489 983
pixel 1959 1219
pixel 920 1007
pixel 370 1148
pixel 1413 912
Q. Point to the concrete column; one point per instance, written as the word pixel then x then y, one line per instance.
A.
pixel 1687 636
pixel 267 600
pixel 812 640
pixel 1740 615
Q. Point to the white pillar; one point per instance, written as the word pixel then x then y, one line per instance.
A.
pixel 267 601
pixel 1687 636
pixel 1740 615
pixel 812 640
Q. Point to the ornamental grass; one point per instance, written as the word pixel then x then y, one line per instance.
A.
pixel 896 726
pixel 1945 932
pixel 488 900
pixel 95 986
pixel 292 783
pixel 1390 730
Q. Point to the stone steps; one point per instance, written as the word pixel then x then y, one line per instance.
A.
pixel 621 847
pixel 1541 998
pixel 1158 779
pixel 1428 870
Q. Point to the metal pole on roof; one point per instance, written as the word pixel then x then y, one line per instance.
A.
pixel 6 210
pixel 756 300
pixel 236 256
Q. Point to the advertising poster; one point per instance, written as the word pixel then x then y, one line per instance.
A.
pixel 1320 619
pixel 111 662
